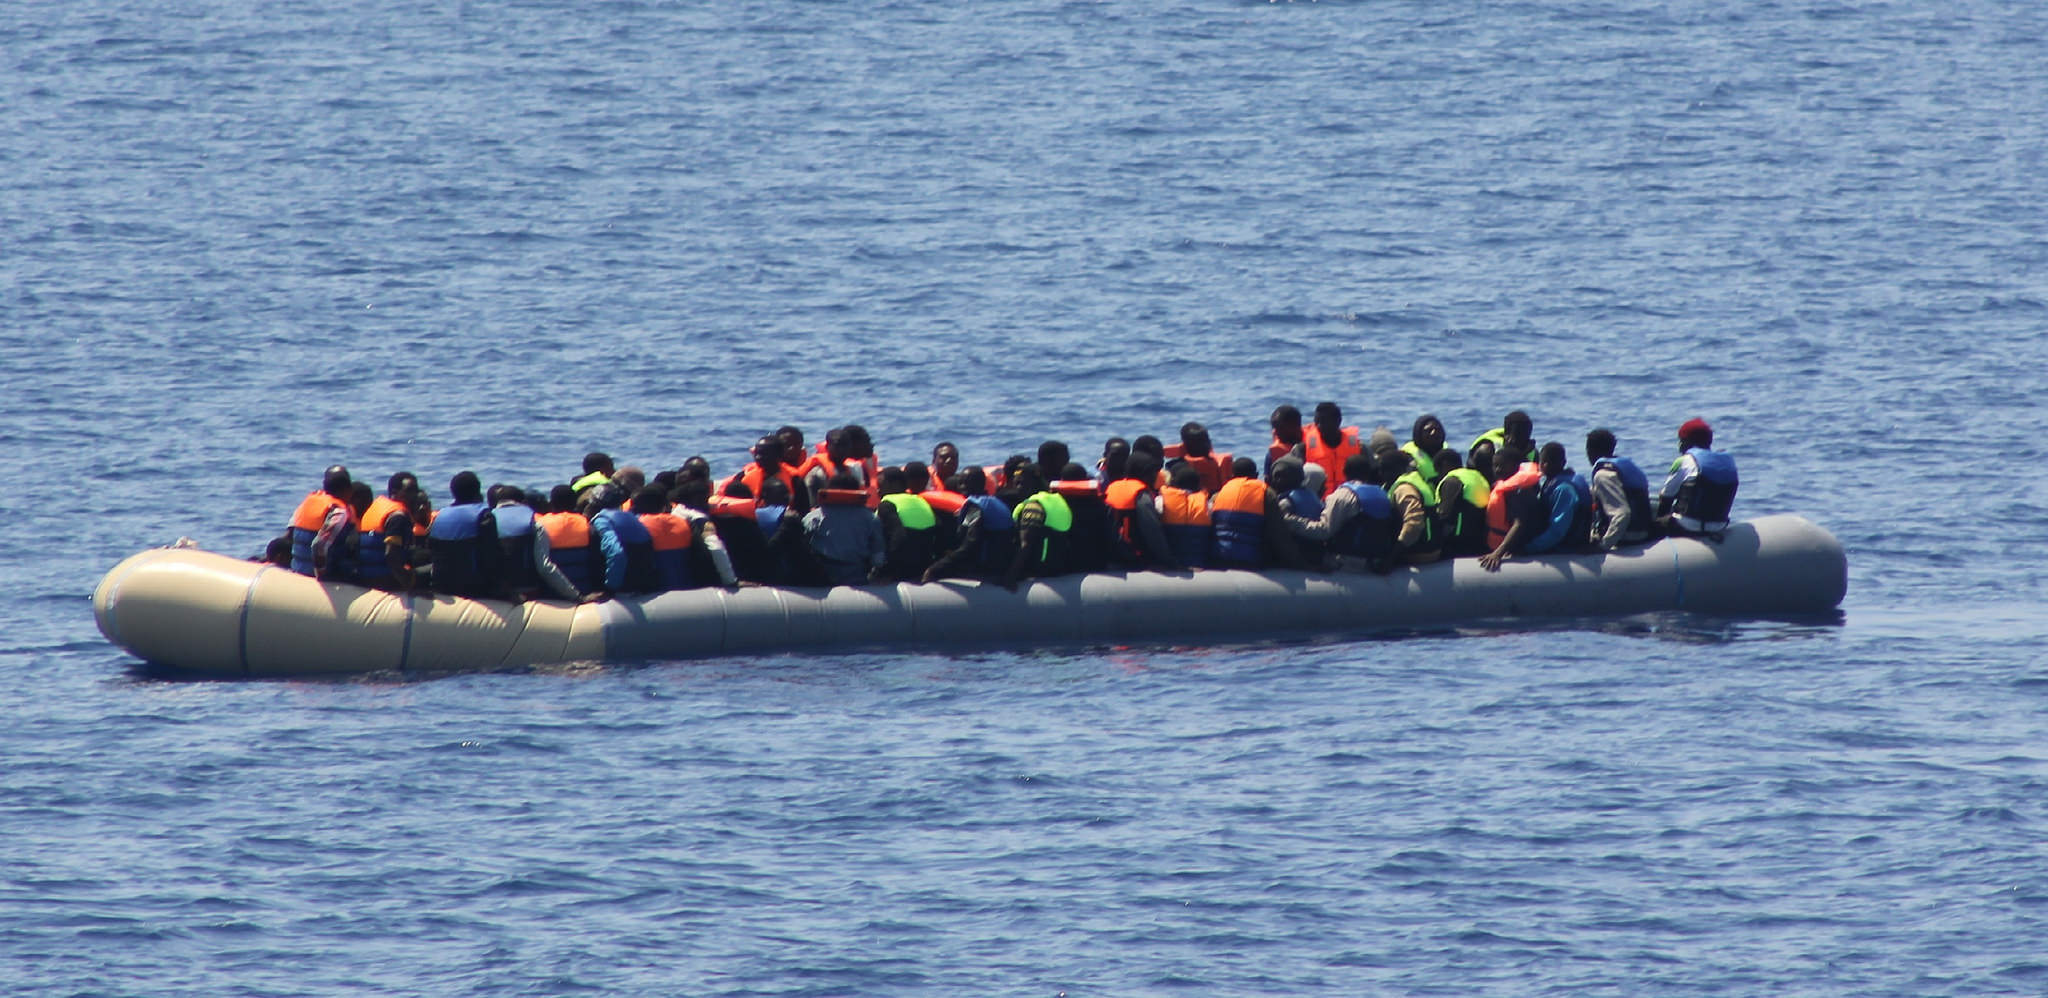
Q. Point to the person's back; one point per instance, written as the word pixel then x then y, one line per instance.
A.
pixel 1328 442
pixel 1238 517
pixel 517 531
pixel 1567 505
pixel 1621 495
pixel 1044 521
pixel 735 517
pixel 1461 512
pixel 385 538
pixel 464 539
pixel 1137 535
pixel 1088 540
pixel 669 537
pixel 1700 493
pixel 909 528
pixel 322 530
pixel 985 535
pixel 570 545
pixel 1184 514
pixel 843 534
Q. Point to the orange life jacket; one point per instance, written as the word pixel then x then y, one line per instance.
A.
pixel 1528 476
pixel 1214 467
pixel 312 512
pixel 380 508
pixel 944 501
pixel 1331 458
pixel 723 505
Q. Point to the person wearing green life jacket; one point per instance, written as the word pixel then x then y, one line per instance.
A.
pixel 1425 442
pixel 1417 540
pixel 909 528
pixel 1043 521
pixel 597 470
pixel 1461 506
pixel 1516 429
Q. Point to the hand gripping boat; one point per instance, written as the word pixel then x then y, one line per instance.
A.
pixel 208 614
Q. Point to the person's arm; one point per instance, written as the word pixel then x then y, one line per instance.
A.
pixel 703 533
pixel 1151 534
pixel 1681 469
pixel 878 546
pixel 396 541
pixel 968 541
pixel 1612 499
pixel 330 532
pixel 544 564
pixel 614 551
pixel 1564 501
pixel 1492 559
pixel 1414 517
pixel 1030 517
pixel 1337 511
pixel 1280 547
pixel 490 561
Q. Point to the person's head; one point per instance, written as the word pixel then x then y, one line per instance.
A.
pixel 1329 418
pixel 420 505
pixel 1286 421
pixel 893 480
pixel 650 500
pixel 360 496
pixel 1382 443
pixel 500 493
pixel 1695 433
pixel 1393 465
pixel 945 460
pixel 279 551
pixel 666 480
pixel 855 442
pixel 1519 428
pixel 1505 464
pixel 1481 459
pixel 973 481
pixel 843 479
pixel 465 488
pixel 1552 458
pixel 1116 457
pixel 768 452
pixel 606 496
pixel 1428 433
pixel 916 477
pixel 1073 472
pixel 1143 467
pixel 694 494
pixel 957 482
pixel 597 461
pixel 1358 468
pixel 1314 477
pixel 632 479
pixel 774 492
pixel 561 499
pixel 336 482
pixel 1287 474
pixel 1027 480
pixel 1149 444
pixel 694 466
pixel 1244 467
pixel 1447 461
pixel 792 443
pixel 401 483
pixel 1186 479
pixel 535 500
pixel 1599 444
pixel 737 489
pixel 1194 439
pixel 1052 456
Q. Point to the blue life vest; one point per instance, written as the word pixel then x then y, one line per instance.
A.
pixel 998 535
pixel 769 518
pixel 1237 522
pixel 638 572
pixel 1370 533
pixel 1305 503
pixel 458 562
pixel 515 546
pixel 1710 495
pixel 1582 509
pixel 1635 485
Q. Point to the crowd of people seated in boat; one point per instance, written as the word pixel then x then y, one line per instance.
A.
pixel 1321 497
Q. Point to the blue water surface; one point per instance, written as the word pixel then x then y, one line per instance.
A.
pixel 242 241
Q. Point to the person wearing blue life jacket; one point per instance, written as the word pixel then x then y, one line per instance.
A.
pixel 1566 505
pixel 322 529
pixel 623 543
pixel 845 536
pixel 1358 523
pixel 985 538
pixel 526 569
pixel 464 539
pixel 1700 492
pixel 1621 495
pixel 1300 488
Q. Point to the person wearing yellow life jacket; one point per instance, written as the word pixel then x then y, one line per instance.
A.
pixel 1138 537
pixel 1620 492
pixel 1514 512
pixel 844 536
pixel 1196 451
pixel 1462 494
pixel 1249 530
pixel 385 538
pixel 910 528
pixel 1088 541
pixel 571 549
pixel 464 539
pixel 597 470
pixel 1417 540
pixel 985 536
pixel 322 530
pixel 1516 434
pixel 1358 523
pixel 1425 442
pixel 1184 517
pixel 1330 443
pixel 1043 522
pixel 1287 439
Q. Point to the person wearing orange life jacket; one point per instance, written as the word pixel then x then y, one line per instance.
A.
pixel 1249 531
pixel 794 457
pixel 1357 525
pixel 1137 534
pixel 385 537
pixel 735 520
pixel 1196 451
pixel 570 547
pixel 767 463
pixel 464 539
pixel 1286 423
pixel 844 536
pixel 1088 540
pixel 1184 517
pixel 322 529
pixel 985 538
pixel 847 448
pixel 1514 512
pixel 525 567
pixel 1330 443
pixel 669 537
pixel 945 463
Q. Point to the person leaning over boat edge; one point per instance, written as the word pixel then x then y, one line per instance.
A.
pixel 1621 495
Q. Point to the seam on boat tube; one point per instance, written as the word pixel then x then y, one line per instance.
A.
pixel 242 623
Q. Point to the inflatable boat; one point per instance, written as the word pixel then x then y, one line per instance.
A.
pixel 190 611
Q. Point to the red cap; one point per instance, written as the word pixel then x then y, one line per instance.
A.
pixel 1695 429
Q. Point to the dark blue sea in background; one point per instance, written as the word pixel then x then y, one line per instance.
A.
pixel 241 241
